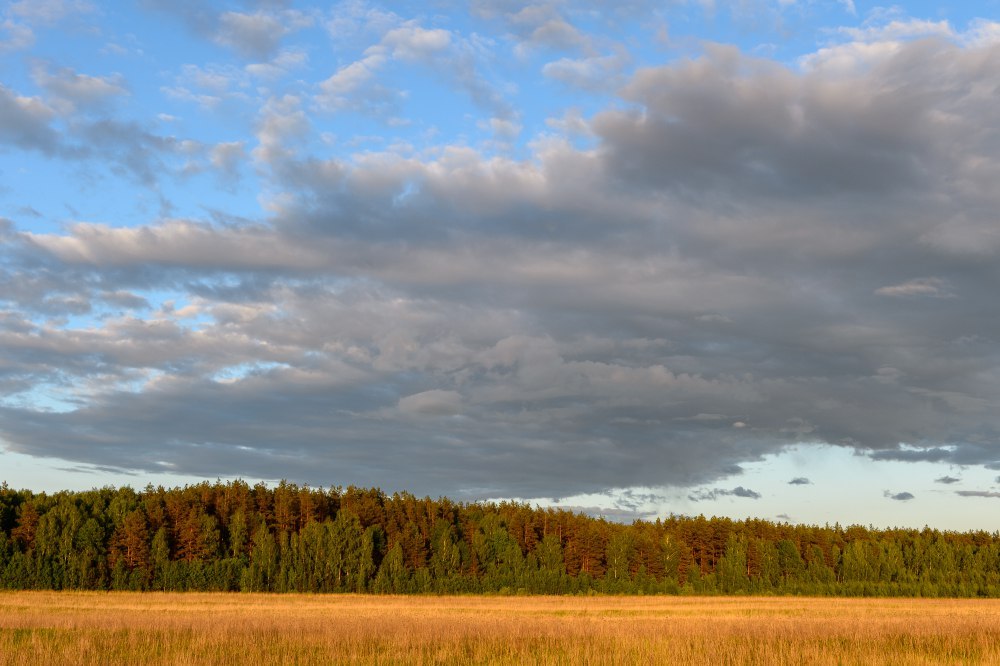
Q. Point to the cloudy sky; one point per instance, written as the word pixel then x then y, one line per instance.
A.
pixel 732 257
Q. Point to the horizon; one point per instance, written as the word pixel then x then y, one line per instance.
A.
pixel 575 510
pixel 637 259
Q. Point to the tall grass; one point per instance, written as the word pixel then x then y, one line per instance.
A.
pixel 194 628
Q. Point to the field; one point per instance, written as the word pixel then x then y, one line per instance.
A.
pixel 196 628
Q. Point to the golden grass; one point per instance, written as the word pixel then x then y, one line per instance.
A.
pixel 194 628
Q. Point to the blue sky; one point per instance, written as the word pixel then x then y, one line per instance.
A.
pixel 635 258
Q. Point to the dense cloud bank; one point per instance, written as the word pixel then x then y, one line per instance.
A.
pixel 739 255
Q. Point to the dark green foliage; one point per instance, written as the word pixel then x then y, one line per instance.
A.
pixel 229 536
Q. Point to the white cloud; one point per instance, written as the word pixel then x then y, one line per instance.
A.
pixel 352 77
pixel 15 36
pixel 227 157
pixel 282 124
pixel 592 73
pixel 435 402
pixel 930 286
pixel 504 129
pixel 982 33
pixel 258 35
pixel 897 30
pixel 73 90
pixel 49 11
pixel 412 42
pixel 280 65
pixel 24 122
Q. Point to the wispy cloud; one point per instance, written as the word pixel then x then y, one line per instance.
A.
pixel 716 493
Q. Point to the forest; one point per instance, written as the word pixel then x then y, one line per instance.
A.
pixel 289 538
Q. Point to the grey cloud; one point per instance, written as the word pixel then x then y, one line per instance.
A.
pixel 976 493
pixel 899 497
pixel 131 148
pixel 948 480
pixel 555 25
pixel 74 90
pixel 253 35
pixel 433 402
pixel 536 24
pixel 800 481
pixel 716 493
pixel 195 14
pixel 25 122
pixel 708 123
pixel 572 322
pixel 935 454
pixel 28 123
pixel 227 158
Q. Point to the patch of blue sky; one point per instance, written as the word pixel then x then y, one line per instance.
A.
pixel 208 196
pixel 157 301
pixel 817 484
pixel 47 397
pixel 235 373
pixel 418 108
pixel 838 475
pixel 35 196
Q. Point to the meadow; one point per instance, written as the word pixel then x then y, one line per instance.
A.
pixel 225 628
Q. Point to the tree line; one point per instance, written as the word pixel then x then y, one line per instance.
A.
pixel 289 538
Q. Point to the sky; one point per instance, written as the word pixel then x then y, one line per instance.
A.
pixel 633 258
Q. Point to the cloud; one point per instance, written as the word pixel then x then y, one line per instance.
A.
pixel 227 158
pixel 256 35
pixel 898 29
pixel 899 497
pixel 716 493
pixel 47 12
pixel 976 493
pixel 25 122
pixel 948 480
pixel 253 35
pixel 74 90
pixel 412 42
pixel 934 454
pixel 174 242
pixel 562 319
pixel 982 32
pixel 934 287
pixel 800 481
pixel 354 87
pixel 15 36
pixel 358 86
pixel 537 23
pixel 280 65
pixel 591 73
pixel 434 402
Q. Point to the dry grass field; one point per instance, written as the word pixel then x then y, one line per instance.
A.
pixel 158 628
